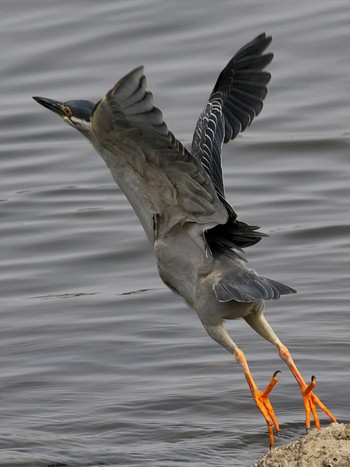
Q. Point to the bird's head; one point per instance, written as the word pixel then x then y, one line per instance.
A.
pixel 76 113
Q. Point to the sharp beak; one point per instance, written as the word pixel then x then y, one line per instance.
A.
pixel 54 106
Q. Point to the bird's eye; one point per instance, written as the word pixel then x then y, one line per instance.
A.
pixel 67 110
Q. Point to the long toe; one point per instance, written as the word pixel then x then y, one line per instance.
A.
pixel 261 397
pixel 264 405
pixel 311 401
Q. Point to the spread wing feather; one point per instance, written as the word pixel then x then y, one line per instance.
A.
pixel 237 98
pixel 126 123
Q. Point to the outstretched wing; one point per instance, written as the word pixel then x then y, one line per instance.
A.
pixel 237 98
pixel 167 180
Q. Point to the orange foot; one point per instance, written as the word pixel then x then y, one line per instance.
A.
pixel 261 397
pixel 310 403
pixel 310 399
pixel 265 407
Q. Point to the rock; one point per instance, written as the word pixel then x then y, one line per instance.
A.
pixel 327 447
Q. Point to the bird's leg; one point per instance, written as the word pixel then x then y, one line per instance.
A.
pixel 258 322
pixel 261 397
pixel 220 335
pixel 311 401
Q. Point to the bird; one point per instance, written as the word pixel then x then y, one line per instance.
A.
pixel 179 197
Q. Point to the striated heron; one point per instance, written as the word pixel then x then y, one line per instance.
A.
pixel 179 198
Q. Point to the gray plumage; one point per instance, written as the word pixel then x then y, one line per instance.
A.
pixel 179 195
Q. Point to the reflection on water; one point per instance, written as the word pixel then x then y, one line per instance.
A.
pixel 100 364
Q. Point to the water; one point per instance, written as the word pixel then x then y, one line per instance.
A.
pixel 100 363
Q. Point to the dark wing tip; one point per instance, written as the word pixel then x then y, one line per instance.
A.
pixel 281 289
pixel 243 85
pixel 237 98
pixel 254 47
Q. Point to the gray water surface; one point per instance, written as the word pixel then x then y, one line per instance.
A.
pixel 100 363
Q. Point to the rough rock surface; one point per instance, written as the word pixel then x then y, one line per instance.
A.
pixel 327 447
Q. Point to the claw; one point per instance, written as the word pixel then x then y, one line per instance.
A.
pixel 261 397
pixel 264 405
pixel 271 384
pixel 310 399
pixel 310 386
